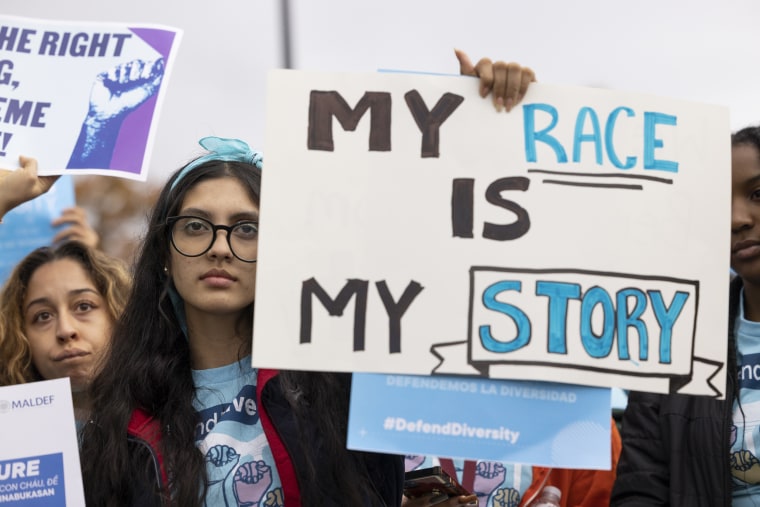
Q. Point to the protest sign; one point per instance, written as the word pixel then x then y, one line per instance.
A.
pixel 408 228
pixel 28 226
pixel 82 97
pixel 538 423
pixel 39 456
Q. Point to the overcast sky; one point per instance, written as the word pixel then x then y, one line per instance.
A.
pixel 699 50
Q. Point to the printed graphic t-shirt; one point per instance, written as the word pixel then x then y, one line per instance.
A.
pixel 239 462
pixel 745 432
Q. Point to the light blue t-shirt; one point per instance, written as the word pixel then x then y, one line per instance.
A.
pixel 745 432
pixel 239 462
pixel 495 483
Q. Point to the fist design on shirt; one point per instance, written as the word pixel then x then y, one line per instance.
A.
pixel 224 459
pixel 252 480
pixel 506 497
pixel 745 467
pixel 488 477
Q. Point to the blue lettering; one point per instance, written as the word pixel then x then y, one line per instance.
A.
pixel 651 120
pixel 595 136
pixel 518 316
pixel 602 318
pixel 531 136
pixel 558 294
pixel 588 129
pixel 666 318
pixel 597 346
pixel 609 131
pixel 632 318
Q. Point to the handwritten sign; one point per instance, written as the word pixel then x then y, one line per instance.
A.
pixel 82 97
pixel 39 457
pixel 409 228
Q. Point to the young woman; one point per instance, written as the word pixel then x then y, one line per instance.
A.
pixel 57 311
pixel 179 374
pixel 179 415
pixel 694 451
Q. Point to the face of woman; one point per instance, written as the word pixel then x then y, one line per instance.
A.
pixel 216 282
pixel 745 212
pixel 66 322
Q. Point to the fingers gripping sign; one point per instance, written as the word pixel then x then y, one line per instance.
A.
pixel 508 82
pixel 21 185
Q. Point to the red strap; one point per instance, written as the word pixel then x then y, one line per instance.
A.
pixel 448 466
pixel 145 427
pixel 468 474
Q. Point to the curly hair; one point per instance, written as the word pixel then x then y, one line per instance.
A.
pixel 110 276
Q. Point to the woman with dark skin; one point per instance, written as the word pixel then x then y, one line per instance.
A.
pixel 694 451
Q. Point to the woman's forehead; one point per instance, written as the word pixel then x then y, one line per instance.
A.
pixel 219 196
pixel 745 161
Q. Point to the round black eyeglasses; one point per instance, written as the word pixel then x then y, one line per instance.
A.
pixel 194 236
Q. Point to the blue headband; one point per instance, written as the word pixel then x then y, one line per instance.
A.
pixel 220 148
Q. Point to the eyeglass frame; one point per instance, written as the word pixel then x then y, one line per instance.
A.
pixel 171 221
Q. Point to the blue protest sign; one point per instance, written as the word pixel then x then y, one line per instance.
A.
pixel 28 226
pixel 539 423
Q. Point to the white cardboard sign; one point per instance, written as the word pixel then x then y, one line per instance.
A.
pixel 82 97
pixel 407 227
pixel 39 455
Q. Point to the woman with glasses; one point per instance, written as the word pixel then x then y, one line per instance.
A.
pixel 179 415
pixel 204 426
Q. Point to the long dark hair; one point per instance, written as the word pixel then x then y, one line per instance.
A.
pixel 149 367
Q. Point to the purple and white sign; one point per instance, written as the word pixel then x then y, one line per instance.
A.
pixel 82 98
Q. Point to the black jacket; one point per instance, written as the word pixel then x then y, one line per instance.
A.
pixel 676 447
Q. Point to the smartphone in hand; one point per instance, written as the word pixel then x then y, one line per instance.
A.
pixel 431 480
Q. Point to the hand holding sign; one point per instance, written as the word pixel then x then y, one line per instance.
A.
pixel 508 81
pixel 578 202
pixel 21 185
